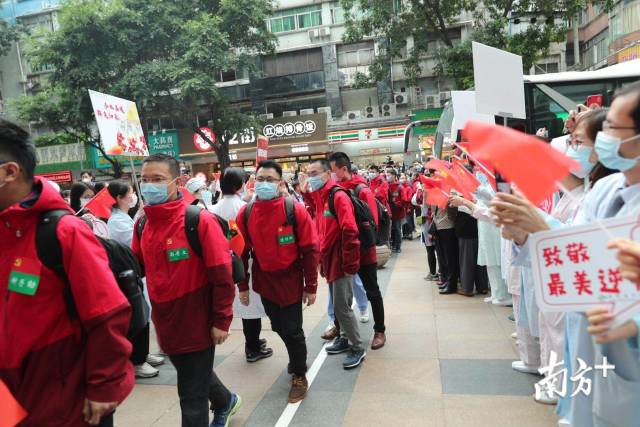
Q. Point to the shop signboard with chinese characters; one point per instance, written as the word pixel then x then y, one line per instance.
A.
pixel 573 270
pixel 61 153
pixel 62 177
pixel 164 142
pixel 296 129
pixel 368 134
pixel 119 125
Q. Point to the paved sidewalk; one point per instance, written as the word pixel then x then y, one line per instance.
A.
pixel 447 362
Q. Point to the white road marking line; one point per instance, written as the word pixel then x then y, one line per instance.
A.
pixel 291 408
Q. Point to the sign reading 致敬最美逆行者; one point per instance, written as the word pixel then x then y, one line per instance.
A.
pixel 573 270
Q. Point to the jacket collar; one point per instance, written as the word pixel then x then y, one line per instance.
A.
pixel 166 210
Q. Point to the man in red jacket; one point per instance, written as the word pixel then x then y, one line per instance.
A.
pixel 191 296
pixel 368 273
pixel 339 256
pixel 398 201
pixel 379 185
pixel 409 224
pixel 285 265
pixel 65 371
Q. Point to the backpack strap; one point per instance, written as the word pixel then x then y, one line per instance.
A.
pixel 290 214
pixel 50 253
pixel 359 188
pixel 332 193
pixel 191 221
pixel 140 227
pixel 245 220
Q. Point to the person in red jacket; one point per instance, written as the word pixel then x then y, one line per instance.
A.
pixel 191 296
pixel 285 266
pixel 398 201
pixel 64 371
pixel 408 227
pixel 368 273
pixel 379 185
pixel 339 255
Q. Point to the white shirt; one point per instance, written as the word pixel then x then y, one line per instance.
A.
pixel 228 207
pixel 120 227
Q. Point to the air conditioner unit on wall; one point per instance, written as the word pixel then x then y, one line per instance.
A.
pixel 388 110
pixel 371 111
pixel 314 33
pixel 306 111
pixel 289 113
pixel 266 116
pixel 324 31
pixel 354 115
pixel 432 101
pixel 401 98
pixel 326 110
pixel 445 96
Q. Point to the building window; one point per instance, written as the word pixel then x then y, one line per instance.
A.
pixel 631 17
pixel 337 14
pixel 296 19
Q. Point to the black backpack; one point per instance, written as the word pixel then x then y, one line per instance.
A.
pixel 367 233
pixel 122 262
pixel 384 219
pixel 191 221
pixel 290 215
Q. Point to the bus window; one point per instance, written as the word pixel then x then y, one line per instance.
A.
pixel 547 114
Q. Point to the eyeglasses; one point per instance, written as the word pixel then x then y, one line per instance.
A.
pixel 607 125
pixel 268 179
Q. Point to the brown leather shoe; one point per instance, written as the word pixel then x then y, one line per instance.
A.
pixel 330 334
pixel 379 338
pixel 465 294
pixel 299 386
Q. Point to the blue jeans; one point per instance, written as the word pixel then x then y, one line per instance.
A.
pixel 358 292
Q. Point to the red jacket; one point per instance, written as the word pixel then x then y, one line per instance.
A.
pixel 380 188
pixel 49 362
pixel 339 244
pixel 188 294
pixel 285 259
pixel 367 256
pixel 408 194
pixel 398 201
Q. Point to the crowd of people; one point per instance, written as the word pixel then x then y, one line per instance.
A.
pixel 68 325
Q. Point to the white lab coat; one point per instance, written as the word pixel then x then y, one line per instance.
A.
pixel 120 227
pixel 228 208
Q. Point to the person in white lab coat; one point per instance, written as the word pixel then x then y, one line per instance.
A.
pixel 231 184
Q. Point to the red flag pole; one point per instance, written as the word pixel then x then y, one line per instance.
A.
pixel 476 161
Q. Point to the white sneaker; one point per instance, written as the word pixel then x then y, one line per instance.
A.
pixel 488 300
pixel 155 360
pixel 520 366
pixel 502 303
pixel 563 422
pixel 364 316
pixel 514 335
pixel 145 371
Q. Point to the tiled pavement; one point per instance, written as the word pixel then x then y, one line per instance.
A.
pixel 446 363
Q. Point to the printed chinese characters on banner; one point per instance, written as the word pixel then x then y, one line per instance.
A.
pixel 574 271
pixel 119 125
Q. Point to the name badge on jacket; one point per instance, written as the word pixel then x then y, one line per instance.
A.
pixel 25 276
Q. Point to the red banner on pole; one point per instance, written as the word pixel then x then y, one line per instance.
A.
pixel 262 148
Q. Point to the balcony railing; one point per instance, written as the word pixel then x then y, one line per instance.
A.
pixel 292 83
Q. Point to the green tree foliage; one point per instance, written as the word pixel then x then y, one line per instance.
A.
pixel 390 23
pixel 164 55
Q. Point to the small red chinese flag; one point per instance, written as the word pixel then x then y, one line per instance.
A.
pixel 101 204
pixel 466 180
pixel 11 412
pixel 533 165
pixel 236 242
pixel 430 182
pixel 436 197
pixel 436 164
pixel 186 195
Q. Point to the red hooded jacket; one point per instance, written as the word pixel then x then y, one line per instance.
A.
pixel 380 188
pixel 188 294
pixel 339 244
pixel 398 201
pixel 367 256
pixel 285 259
pixel 408 190
pixel 49 362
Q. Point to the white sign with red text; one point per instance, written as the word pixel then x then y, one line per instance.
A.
pixel 119 125
pixel 573 270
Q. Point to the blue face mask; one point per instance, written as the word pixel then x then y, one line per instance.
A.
pixel 154 194
pixel 266 190
pixel 373 175
pixel 207 197
pixel 608 150
pixel 581 155
pixel 316 183
pixel 482 178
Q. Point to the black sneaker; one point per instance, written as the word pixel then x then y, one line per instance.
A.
pixel 354 359
pixel 263 353
pixel 263 342
pixel 340 345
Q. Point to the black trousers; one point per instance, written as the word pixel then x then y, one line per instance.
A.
pixel 140 344
pixel 396 234
pixel 443 271
pixel 409 227
pixel 449 243
pixel 287 323
pixel 251 329
pixel 197 385
pixel 369 276
pixel 431 259
pixel 470 272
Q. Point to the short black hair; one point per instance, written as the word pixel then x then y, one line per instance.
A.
pixel 174 166
pixel 99 186
pixel 87 172
pixel 392 171
pixel 324 163
pixel 374 167
pixel 16 146
pixel 270 164
pixel 232 180
pixel 340 159
pixel 632 90
pixel 117 188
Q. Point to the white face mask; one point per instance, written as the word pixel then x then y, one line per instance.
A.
pixel 134 201
pixel 86 180
pixel 83 202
